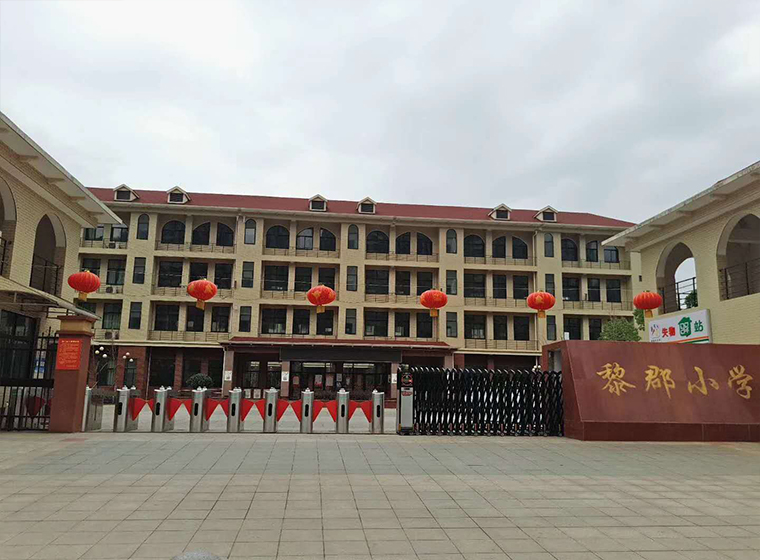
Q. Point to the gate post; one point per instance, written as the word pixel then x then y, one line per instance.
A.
pixel 405 402
pixel 71 369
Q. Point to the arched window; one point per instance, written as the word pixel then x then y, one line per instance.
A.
pixel 676 277
pixel 250 232
pixel 201 235
pixel 519 248
pixel 305 239
pixel 225 237
pixel 377 242
pixel 738 257
pixel 451 241
pixel 143 224
pixel 277 238
pixel 548 245
pixel 499 248
pixel 474 246
pixel 173 233
pixel 424 244
pixel 404 244
pixel 353 237
pixel 326 240
pixel 569 250
pixel 592 251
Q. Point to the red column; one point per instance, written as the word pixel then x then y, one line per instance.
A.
pixel 71 370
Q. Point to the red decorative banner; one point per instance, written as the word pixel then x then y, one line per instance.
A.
pixel 225 406
pixel 34 405
pixel 282 406
pixel 245 407
pixel 137 404
pixel 352 406
pixel 366 407
pixel 296 406
pixel 259 404
pixel 173 405
pixel 211 405
pixel 332 408
pixel 318 406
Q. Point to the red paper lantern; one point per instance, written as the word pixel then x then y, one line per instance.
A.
pixel 434 300
pixel 202 291
pixel 85 283
pixel 647 301
pixel 321 296
pixel 541 301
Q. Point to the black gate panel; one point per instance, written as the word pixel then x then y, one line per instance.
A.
pixel 487 402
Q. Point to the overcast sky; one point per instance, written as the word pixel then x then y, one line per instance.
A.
pixel 620 110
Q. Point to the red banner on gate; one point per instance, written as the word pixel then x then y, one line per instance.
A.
pixel 137 404
pixel 173 405
pixel 245 407
pixel 282 407
pixel 211 405
pixel 352 406
pixel 296 406
pixel 34 405
pixel 259 404
pixel 332 408
pixel 366 407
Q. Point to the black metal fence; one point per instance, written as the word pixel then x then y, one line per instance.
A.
pixel 26 382
pixel 487 402
pixel 5 256
pixel 740 280
pixel 681 295
pixel 46 275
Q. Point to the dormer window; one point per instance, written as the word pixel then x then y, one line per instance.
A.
pixel 317 204
pixel 367 206
pixel 177 196
pixel 123 195
pixel 549 216
pixel 502 215
pixel 501 212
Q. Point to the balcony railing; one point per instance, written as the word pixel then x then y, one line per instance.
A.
pixel 5 257
pixel 175 291
pixel 391 298
pixel 530 261
pixel 293 252
pixel 46 276
pixel 296 336
pixel 483 344
pixel 193 248
pixel 496 302
pixel 392 256
pixel 680 295
pixel 598 265
pixel 283 294
pixel 103 244
pixel 403 338
pixel 599 305
pixel 187 336
pixel 740 280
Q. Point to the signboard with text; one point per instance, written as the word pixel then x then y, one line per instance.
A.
pixel 690 328
pixel 69 354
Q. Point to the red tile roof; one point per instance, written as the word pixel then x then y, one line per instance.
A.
pixel 334 342
pixel 383 209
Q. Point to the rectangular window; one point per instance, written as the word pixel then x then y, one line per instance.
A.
pixel 135 314
pixel 169 274
pixel 424 282
pixel 403 283
pixel 401 326
pixel 93 265
pixel 223 277
pixel 350 321
pixel 167 318
pixel 451 324
pixel 424 325
pixel 194 322
pixel 130 372
pixel 519 287
pixel 377 281
pixel 247 280
pixel 138 273
pixel 215 368
pixel 572 328
pixel 475 327
pixel 301 319
pixel 115 274
pixel 198 271
pixel 162 372
pixel 500 327
pixel 327 277
pixel 500 286
pixel 325 322
pixel 220 319
pixel 375 323
pixel 550 287
pixel 611 255
pixel 93 234
pixel 273 320
pixel 548 245
pixel 276 278
pixel 614 292
pixel 303 279
pixel 521 325
pixel 112 315
pixel 190 367
pixel 90 306
pixel 474 285
pixel 451 282
pixel 594 328
pixel 551 327
pixel 176 197
pixel 123 195
pixel 571 290
pixel 352 278
pixel 119 233
pixel 594 289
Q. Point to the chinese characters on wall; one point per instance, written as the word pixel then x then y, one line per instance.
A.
pixel 658 378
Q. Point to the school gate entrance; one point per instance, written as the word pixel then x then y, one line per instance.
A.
pixel 486 402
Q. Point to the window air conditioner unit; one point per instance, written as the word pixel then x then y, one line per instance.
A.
pixel 107 334
pixel 109 289
pixel 112 245
pixel 116 335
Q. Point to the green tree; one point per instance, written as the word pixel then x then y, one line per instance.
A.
pixel 199 380
pixel 638 316
pixel 620 329
pixel 691 299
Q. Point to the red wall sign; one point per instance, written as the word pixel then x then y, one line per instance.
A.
pixel 69 355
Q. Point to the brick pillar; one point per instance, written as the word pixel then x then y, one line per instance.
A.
pixel 285 379
pixel 459 361
pixel 71 371
pixel 394 380
pixel 179 362
pixel 448 361
pixel 228 366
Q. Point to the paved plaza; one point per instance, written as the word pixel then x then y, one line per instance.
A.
pixel 142 495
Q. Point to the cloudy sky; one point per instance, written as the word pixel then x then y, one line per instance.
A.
pixel 618 108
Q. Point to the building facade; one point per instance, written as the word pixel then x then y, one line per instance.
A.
pixel 720 229
pixel 265 253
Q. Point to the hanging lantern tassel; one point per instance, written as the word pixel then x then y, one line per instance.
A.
pixel 434 313
pixel 200 304
pixel 320 308
pixel 541 314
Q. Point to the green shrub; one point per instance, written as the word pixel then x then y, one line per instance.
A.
pixel 620 329
pixel 199 380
